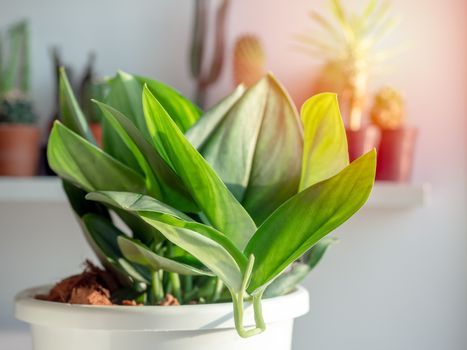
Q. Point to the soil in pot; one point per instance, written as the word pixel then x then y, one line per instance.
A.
pixel 362 140
pixel 94 286
pixel 19 149
pixel 395 154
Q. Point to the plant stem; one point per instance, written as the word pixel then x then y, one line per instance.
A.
pixel 175 282
pixel 237 299
pixel 157 287
pixel 217 291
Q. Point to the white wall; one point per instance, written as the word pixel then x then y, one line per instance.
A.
pixel 397 280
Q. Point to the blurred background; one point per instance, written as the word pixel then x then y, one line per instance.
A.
pixel 398 278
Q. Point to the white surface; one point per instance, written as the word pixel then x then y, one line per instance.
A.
pixel 398 278
pixel 49 189
pixel 58 326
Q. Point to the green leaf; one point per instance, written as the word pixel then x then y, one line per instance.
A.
pixel 207 189
pixel 200 132
pixel 70 111
pixel 256 148
pixel 308 217
pixel 161 181
pixel 140 254
pixel 80 205
pixel 125 96
pixel 87 166
pixel 325 142
pixel 102 235
pixel 289 280
pixel 182 111
pixel 206 244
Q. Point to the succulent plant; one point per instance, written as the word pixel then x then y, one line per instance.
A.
pixel 349 47
pixel 221 205
pixel 387 111
pixel 15 105
pixel 248 61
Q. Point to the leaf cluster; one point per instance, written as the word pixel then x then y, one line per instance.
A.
pixel 219 204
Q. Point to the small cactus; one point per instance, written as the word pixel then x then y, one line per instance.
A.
pixel 248 61
pixel 387 111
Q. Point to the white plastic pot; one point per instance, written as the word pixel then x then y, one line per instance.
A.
pixel 57 326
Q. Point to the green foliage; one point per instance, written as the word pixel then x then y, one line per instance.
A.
pixel 235 202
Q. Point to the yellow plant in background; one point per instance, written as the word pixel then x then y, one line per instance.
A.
pixel 349 46
pixel 387 111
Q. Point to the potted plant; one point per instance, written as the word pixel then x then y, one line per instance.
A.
pixel 19 136
pixel 350 50
pixel 396 148
pixel 222 210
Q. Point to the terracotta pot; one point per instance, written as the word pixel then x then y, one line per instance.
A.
pixel 19 149
pixel 96 129
pixel 395 154
pixel 362 140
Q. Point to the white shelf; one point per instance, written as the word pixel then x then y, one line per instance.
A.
pixel 49 190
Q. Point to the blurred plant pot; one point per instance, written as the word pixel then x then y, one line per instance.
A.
pixel 362 140
pixel 57 326
pixel 96 129
pixel 19 149
pixel 395 154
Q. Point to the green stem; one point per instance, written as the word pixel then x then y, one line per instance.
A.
pixel 217 291
pixel 237 299
pixel 176 289
pixel 157 287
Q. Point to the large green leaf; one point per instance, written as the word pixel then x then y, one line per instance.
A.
pixel 256 148
pixel 307 217
pixel 200 132
pixel 289 280
pixel 87 166
pixel 208 245
pixel 70 111
pixel 161 180
pixel 221 208
pixel 325 142
pixel 141 254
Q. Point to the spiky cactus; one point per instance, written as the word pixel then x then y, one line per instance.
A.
pixel 248 61
pixel 387 111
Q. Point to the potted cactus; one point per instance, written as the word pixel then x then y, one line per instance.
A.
pixel 19 136
pixel 225 212
pixel 349 45
pixel 396 148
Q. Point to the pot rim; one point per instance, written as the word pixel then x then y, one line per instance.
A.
pixel 152 318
